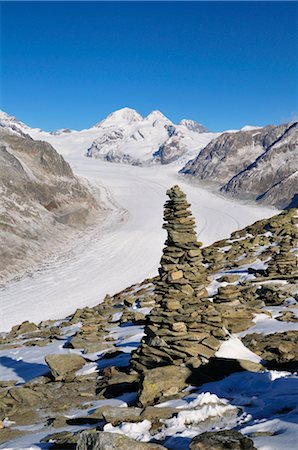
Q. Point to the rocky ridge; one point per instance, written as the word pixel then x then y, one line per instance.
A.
pixel 43 203
pixel 71 392
pixel 258 164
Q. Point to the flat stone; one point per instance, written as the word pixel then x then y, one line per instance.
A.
pixel 176 275
pixel 211 342
pixel 173 305
pixel 64 367
pixel 179 326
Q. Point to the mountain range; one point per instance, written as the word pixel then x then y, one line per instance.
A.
pixel 253 163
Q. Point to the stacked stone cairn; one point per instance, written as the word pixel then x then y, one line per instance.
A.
pixel 283 264
pixel 184 328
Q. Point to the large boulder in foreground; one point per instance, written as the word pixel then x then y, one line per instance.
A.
pixel 221 440
pixel 64 367
pixel 110 441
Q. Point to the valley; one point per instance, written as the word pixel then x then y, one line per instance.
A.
pixel 125 248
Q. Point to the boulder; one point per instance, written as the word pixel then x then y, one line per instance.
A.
pixel 24 327
pixel 109 441
pixel 162 382
pixel 221 440
pixel 64 367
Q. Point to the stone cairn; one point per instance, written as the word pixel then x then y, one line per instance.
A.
pixel 184 328
pixel 283 264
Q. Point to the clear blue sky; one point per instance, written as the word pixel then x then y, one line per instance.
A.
pixel 69 64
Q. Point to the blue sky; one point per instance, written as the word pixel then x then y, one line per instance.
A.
pixel 224 64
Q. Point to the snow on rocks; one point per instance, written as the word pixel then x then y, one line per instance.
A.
pixel 105 393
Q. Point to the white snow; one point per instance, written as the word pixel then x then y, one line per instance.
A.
pixel 233 348
pixel 268 325
pixel 139 431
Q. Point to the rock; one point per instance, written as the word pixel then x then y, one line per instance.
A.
pixel 8 434
pixel 64 367
pixel 115 415
pixel 179 326
pixel 278 350
pixel 228 278
pixel 25 327
pixel 110 441
pixel 176 275
pixel 162 382
pixel 287 316
pixel 251 366
pixel 63 439
pixel 25 395
pixel 155 414
pixel 221 440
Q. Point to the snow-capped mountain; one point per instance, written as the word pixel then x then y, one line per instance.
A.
pixel 13 125
pixel 121 118
pixel 125 136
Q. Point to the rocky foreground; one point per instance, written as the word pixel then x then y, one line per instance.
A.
pixel 44 206
pixel 201 357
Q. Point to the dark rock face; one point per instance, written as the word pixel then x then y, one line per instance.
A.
pixel 221 440
pixel 41 199
pixel 255 164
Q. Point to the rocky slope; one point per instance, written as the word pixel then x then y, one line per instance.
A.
pixel 62 377
pixel 42 203
pixel 259 164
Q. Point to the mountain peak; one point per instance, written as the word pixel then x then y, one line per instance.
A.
pixel 192 125
pixel 157 115
pixel 123 116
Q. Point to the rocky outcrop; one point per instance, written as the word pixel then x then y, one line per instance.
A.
pixel 278 350
pixel 273 176
pixel 43 203
pixel 258 164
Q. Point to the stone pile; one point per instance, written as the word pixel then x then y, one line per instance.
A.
pixel 184 328
pixel 284 263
